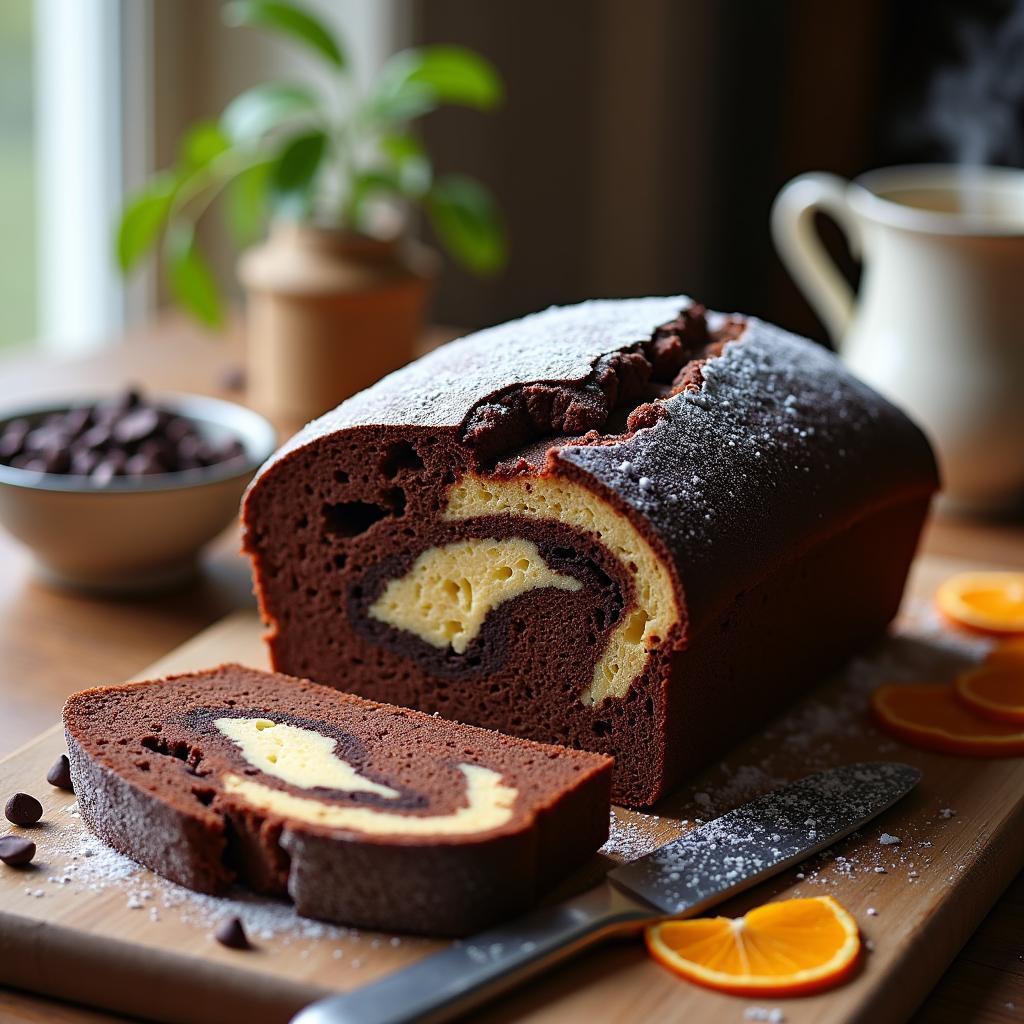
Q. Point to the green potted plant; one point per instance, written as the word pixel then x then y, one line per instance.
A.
pixel 336 292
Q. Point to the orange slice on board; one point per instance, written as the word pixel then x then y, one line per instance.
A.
pixel 929 716
pixel 1009 653
pixel 995 692
pixel 990 602
pixel 780 949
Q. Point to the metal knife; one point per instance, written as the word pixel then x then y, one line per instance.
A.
pixel 679 879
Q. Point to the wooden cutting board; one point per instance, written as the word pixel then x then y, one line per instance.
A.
pixel 95 929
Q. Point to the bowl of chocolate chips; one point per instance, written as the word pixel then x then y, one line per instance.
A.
pixel 121 493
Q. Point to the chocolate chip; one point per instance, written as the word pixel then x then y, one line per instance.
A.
pixel 59 774
pixel 229 450
pixel 142 465
pixel 136 425
pixel 13 438
pixel 83 463
pixel 97 436
pixel 16 851
pixel 42 439
pixel 57 461
pixel 112 465
pixel 23 809
pixel 102 474
pixel 76 420
pixel 230 933
pixel 179 428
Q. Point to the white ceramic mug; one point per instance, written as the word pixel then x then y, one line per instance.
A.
pixel 938 324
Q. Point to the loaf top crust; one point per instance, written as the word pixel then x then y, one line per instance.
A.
pixel 560 344
pixel 757 444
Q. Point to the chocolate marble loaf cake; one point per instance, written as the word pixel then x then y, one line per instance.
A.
pixel 362 813
pixel 629 526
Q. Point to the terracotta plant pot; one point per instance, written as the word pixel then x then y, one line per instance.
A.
pixel 329 312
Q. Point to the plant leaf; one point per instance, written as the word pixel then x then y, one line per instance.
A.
pixel 458 75
pixel 251 114
pixel 189 276
pixel 246 202
pixel 411 162
pixel 289 20
pixel 143 219
pixel 414 82
pixel 465 218
pixel 293 174
pixel 202 144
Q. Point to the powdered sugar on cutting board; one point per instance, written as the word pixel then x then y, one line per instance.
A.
pixel 87 865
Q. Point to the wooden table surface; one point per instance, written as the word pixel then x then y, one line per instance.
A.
pixel 53 643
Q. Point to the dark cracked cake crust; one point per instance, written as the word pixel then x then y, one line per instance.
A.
pixel 362 813
pixel 692 516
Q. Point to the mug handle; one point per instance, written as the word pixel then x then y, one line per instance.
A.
pixel 799 245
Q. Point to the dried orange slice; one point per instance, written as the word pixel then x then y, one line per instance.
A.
pixel 929 716
pixel 991 602
pixel 779 949
pixel 1009 653
pixel 995 691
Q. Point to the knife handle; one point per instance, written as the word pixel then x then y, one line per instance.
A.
pixel 472 971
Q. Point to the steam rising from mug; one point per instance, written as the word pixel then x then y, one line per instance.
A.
pixel 975 108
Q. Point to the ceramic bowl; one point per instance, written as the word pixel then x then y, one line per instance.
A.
pixel 133 534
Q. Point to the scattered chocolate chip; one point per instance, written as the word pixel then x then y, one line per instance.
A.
pixel 23 809
pixel 16 851
pixel 230 933
pixel 59 774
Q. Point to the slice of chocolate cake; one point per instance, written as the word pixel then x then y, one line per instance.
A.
pixel 362 813
pixel 628 526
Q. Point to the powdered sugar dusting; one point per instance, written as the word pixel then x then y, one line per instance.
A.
pixel 776 415
pixel 81 864
pixel 764 835
pixel 772 1014
pixel 632 835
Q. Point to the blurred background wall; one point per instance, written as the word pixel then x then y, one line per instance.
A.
pixel 638 151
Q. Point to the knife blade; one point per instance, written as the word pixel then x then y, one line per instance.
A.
pixel 764 836
pixel 681 878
